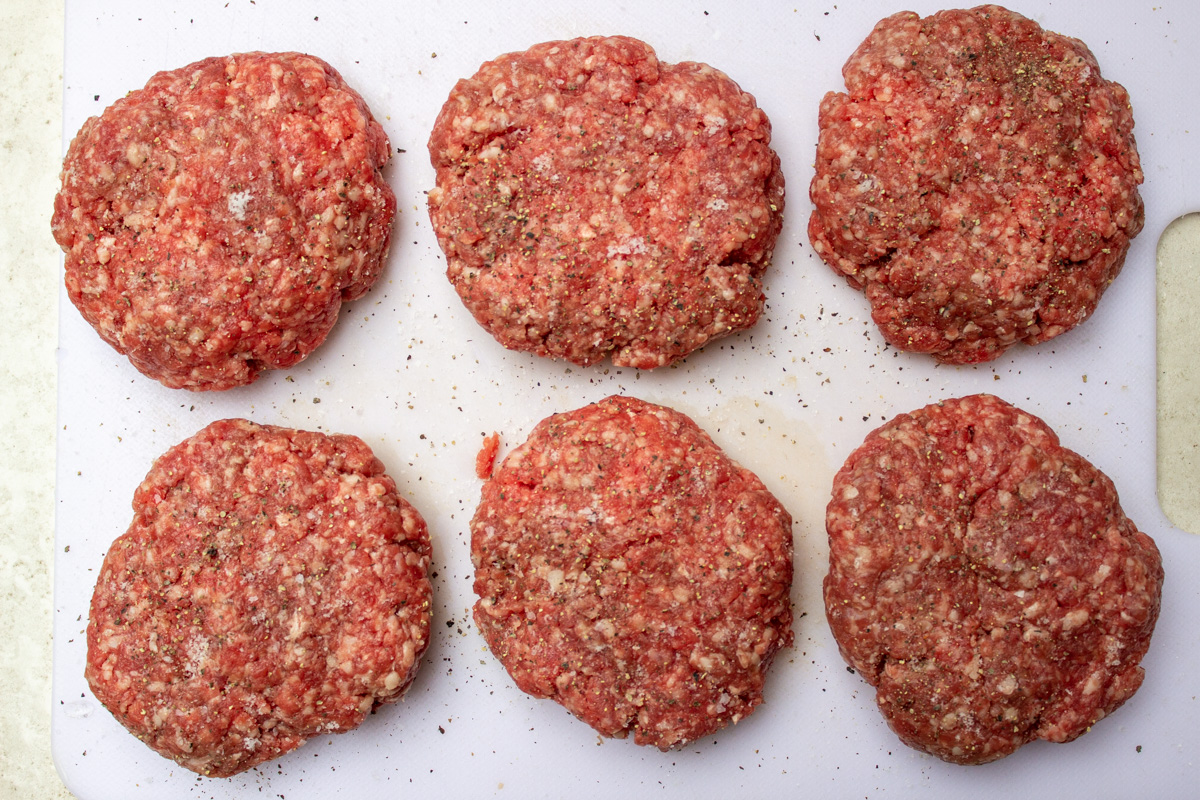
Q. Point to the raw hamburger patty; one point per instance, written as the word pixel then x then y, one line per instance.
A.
pixel 978 181
pixel 214 221
pixel 986 581
pixel 594 202
pixel 272 587
pixel 628 569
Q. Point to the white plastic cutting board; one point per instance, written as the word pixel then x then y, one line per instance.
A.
pixel 408 370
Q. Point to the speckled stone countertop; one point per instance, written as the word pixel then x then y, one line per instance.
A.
pixel 31 144
pixel 31 147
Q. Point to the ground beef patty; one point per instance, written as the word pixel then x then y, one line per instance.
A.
pixel 215 220
pixel 272 587
pixel 628 569
pixel 592 201
pixel 985 580
pixel 978 181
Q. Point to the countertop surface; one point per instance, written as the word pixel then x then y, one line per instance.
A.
pixel 30 149
pixel 30 140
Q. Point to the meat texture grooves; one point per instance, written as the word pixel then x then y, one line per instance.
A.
pixel 631 571
pixel 594 202
pixel 984 579
pixel 215 221
pixel 272 587
pixel 977 180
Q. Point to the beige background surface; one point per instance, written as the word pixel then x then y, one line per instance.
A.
pixel 30 143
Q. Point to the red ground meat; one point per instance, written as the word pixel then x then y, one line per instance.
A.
pixel 214 221
pixel 272 587
pixel 592 201
pixel 631 571
pixel 985 581
pixel 485 459
pixel 978 181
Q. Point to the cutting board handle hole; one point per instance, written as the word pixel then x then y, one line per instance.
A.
pixel 1178 375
